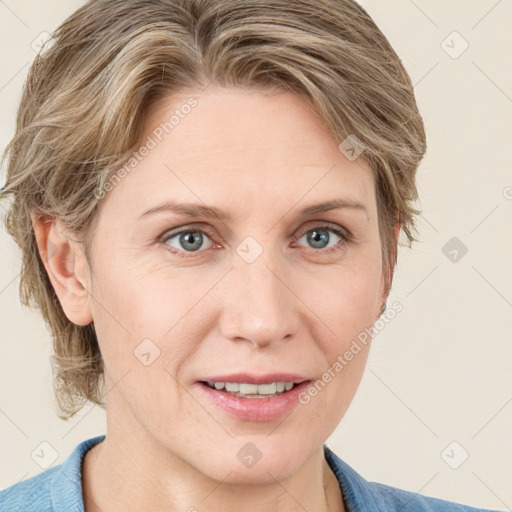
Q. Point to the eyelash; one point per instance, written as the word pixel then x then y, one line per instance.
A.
pixel 344 235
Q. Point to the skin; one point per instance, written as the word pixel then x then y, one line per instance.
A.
pixel 296 308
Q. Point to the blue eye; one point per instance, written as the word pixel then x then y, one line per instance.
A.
pixel 318 236
pixel 190 240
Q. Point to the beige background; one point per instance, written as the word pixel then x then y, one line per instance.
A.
pixel 441 370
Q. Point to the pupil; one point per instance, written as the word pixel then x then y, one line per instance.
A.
pixel 317 238
pixel 189 238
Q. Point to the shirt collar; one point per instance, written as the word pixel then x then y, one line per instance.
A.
pixel 357 494
pixel 66 484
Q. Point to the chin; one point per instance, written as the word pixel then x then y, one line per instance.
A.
pixel 257 461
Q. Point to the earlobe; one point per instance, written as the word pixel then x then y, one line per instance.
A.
pixel 66 266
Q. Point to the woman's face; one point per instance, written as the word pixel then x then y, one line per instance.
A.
pixel 263 290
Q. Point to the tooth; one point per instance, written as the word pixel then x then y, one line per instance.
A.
pixel 253 389
pixel 267 389
pixel 249 389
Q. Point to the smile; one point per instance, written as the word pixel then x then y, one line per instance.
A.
pixel 247 390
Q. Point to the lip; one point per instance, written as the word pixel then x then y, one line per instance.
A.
pixel 251 378
pixel 254 409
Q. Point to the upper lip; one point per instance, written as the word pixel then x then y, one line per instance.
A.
pixel 251 378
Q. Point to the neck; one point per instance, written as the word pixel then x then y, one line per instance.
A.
pixel 119 476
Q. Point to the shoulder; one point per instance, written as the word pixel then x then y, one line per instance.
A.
pixel 361 495
pixel 30 494
pixel 397 499
pixel 57 489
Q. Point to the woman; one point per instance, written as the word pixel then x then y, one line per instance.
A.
pixel 214 191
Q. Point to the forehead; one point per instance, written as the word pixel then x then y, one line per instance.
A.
pixel 240 147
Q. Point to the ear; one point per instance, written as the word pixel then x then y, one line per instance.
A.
pixel 66 266
pixel 387 276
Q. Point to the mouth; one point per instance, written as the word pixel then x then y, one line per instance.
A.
pixel 254 398
pixel 252 390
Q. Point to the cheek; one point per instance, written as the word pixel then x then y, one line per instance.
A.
pixel 144 322
pixel 345 297
pixel 134 297
pixel 346 305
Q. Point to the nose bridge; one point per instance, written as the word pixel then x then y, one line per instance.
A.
pixel 258 305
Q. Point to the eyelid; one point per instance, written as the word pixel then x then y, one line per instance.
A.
pixel 173 232
pixel 330 225
pixel 208 230
pixel 188 227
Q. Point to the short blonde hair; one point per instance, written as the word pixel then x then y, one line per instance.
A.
pixel 87 96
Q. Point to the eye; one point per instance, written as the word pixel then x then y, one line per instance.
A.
pixel 190 239
pixel 186 240
pixel 319 238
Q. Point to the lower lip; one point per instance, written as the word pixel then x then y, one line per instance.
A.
pixel 256 409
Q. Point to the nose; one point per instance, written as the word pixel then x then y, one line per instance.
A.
pixel 259 306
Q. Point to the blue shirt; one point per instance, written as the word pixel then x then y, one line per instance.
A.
pixel 59 489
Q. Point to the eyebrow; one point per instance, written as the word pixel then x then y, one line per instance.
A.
pixel 199 210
